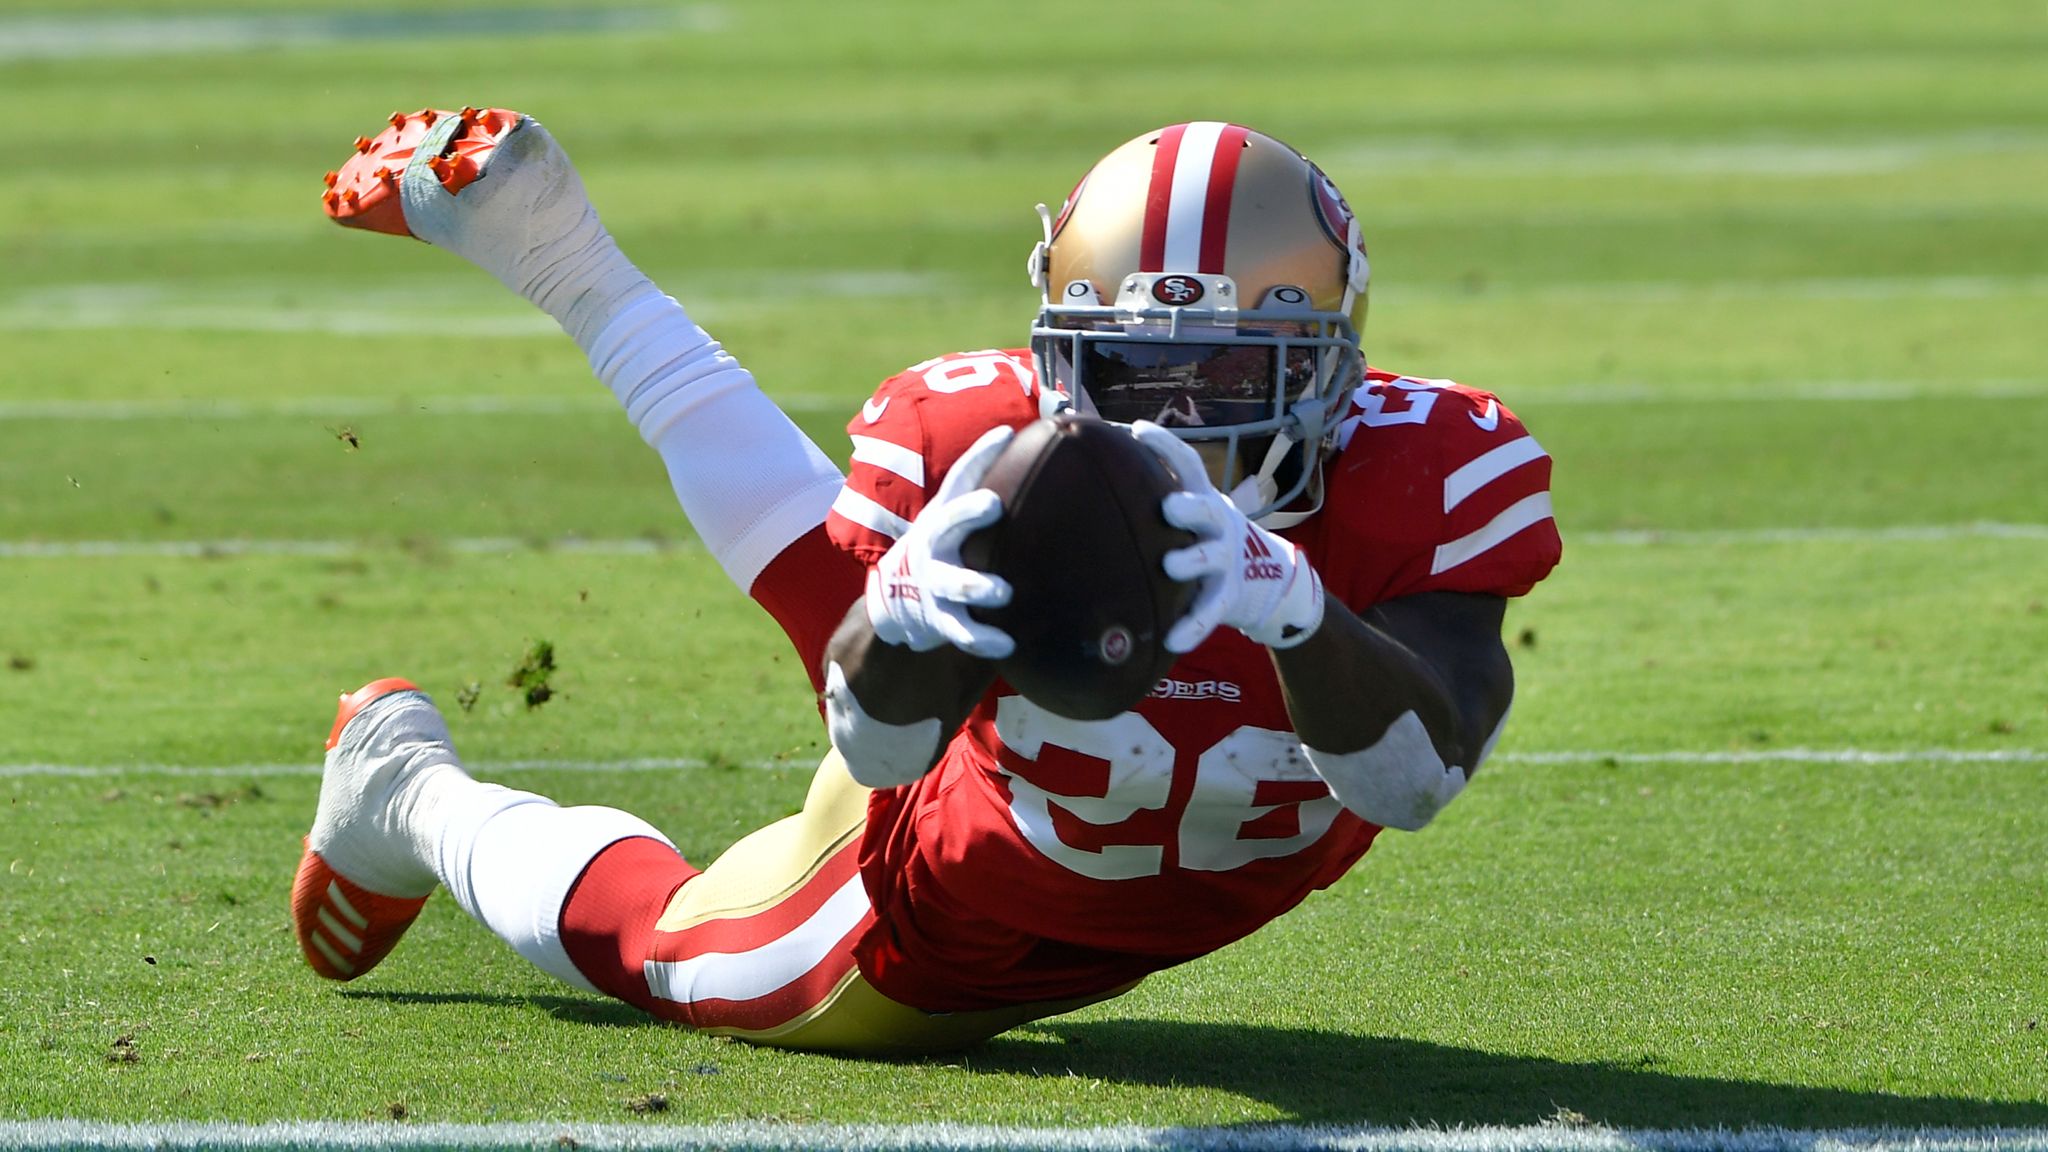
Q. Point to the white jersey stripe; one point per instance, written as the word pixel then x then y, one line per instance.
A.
pixel 1486 469
pixel 1190 199
pixel 773 966
pixel 892 458
pixel 868 514
pixel 1532 509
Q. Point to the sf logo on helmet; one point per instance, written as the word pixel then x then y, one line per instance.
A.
pixel 1176 290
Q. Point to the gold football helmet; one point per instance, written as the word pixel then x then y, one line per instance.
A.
pixel 1209 278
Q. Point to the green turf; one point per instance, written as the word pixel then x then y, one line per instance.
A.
pixel 1743 266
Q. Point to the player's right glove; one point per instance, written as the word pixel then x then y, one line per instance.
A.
pixel 1249 579
pixel 919 592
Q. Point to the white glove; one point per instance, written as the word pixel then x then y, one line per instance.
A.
pixel 1250 579
pixel 919 591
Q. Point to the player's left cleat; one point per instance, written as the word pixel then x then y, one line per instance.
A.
pixel 451 148
pixel 360 884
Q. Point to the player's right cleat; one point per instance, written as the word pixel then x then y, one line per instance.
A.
pixel 360 884
pixel 449 147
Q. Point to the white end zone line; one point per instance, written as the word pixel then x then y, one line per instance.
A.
pixel 760 1136
pixel 1874 757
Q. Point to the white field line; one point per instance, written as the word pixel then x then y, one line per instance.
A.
pixel 210 549
pixel 429 308
pixel 1875 757
pixel 255 308
pixel 127 36
pixel 1804 391
pixel 1711 291
pixel 766 1136
pixel 1752 157
pixel 593 401
pixel 644 546
pixel 334 407
pixel 1885 534
pixel 311 767
pixel 1872 756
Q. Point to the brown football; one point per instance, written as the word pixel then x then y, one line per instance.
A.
pixel 1080 542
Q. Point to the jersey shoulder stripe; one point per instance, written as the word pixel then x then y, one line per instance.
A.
pixel 1434 487
pixel 909 433
pixel 890 457
pixel 1489 466
pixel 863 512
pixel 1527 512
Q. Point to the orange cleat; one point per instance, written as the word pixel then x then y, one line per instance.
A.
pixel 363 193
pixel 344 929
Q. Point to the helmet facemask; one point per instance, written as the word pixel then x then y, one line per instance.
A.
pixel 1263 385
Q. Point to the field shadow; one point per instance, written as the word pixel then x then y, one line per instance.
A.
pixel 1321 1077
pixel 1314 1076
pixel 602 1013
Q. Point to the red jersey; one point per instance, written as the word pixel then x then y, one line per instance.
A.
pixel 1046 858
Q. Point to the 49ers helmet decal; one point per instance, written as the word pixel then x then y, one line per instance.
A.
pixel 1209 278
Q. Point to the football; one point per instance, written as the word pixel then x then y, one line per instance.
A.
pixel 1080 541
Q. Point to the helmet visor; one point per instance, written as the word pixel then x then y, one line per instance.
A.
pixel 1184 385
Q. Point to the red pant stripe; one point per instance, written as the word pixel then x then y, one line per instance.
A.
pixel 746 933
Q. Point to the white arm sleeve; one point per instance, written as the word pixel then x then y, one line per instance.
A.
pixel 1400 781
pixel 747 477
pixel 877 754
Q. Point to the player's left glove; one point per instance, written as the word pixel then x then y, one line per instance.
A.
pixel 1250 579
pixel 919 592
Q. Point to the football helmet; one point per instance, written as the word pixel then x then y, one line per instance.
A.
pixel 1209 278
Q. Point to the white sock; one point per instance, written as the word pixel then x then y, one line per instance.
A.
pixel 509 859
pixel 748 479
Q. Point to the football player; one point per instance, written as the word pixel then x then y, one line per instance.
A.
pixel 966 860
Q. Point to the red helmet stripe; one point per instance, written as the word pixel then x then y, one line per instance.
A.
pixel 1159 200
pixel 1216 213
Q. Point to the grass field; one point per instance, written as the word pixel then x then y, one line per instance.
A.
pixel 1766 844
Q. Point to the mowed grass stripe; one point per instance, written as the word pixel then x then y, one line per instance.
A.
pixel 1720 466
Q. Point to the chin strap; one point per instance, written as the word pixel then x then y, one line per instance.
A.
pixel 1308 415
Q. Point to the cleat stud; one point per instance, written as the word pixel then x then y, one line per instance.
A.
pixel 384 175
pixel 330 198
pixel 362 143
pixel 350 198
pixel 428 116
pixel 331 178
pixel 397 119
pixel 469 114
